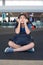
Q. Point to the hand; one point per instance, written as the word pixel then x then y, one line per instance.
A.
pixel 18 20
pixel 25 21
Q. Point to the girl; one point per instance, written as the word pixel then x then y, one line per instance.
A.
pixel 22 40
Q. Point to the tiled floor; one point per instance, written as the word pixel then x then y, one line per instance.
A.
pixel 20 62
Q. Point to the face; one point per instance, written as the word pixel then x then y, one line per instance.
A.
pixel 22 19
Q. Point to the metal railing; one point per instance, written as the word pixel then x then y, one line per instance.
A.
pixel 12 24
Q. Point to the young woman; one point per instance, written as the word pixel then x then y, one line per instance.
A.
pixel 22 40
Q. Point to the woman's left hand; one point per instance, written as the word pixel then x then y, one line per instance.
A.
pixel 25 21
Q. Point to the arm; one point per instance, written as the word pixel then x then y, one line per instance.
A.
pixel 17 30
pixel 26 27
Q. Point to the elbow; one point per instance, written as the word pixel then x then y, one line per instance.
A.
pixel 17 32
pixel 28 32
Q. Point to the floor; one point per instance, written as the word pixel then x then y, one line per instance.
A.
pixel 37 55
pixel 20 62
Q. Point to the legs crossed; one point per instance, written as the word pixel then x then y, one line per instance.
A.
pixel 17 47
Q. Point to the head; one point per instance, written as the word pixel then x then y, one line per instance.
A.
pixel 22 17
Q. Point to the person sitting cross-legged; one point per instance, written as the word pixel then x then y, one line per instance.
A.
pixel 22 40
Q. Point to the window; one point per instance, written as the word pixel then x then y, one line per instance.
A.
pixel 0 18
pixel 6 19
pixel 12 18
pixel 0 3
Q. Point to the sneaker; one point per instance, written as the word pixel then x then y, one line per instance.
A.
pixel 31 50
pixel 8 49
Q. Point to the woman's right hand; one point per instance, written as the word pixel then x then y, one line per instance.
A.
pixel 18 21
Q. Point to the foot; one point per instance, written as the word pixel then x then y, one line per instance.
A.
pixel 8 49
pixel 31 50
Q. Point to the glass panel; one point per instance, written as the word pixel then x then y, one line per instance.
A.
pixel 0 3
pixel 0 19
pixel 12 18
pixel 6 19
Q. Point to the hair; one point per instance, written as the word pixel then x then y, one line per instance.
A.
pixel 23 15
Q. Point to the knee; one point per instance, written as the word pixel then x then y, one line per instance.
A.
pixel 9 43
pixel 33 44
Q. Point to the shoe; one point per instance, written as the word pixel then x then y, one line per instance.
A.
pixel 31 50
pixel 8 49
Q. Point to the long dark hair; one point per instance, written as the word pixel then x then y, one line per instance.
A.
pixel 23 15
